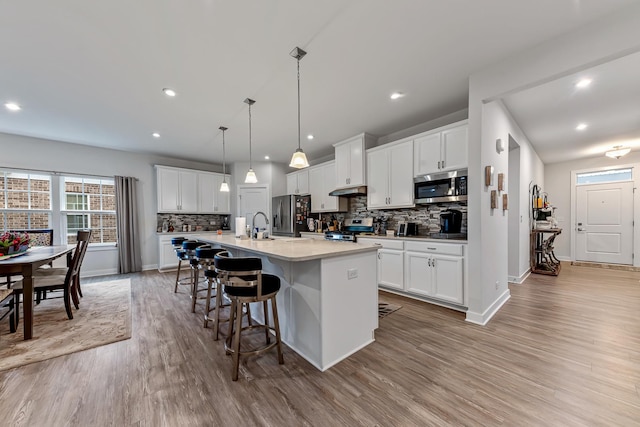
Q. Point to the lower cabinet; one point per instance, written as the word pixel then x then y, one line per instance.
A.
pixel 429 270
pixel 167 258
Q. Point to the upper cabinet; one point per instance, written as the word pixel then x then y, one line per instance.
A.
pixel 390 176
pixel 210 198
pixel 441 149
pixel 350 161
pixel 322 180
pixel 190 191
pixel 298 182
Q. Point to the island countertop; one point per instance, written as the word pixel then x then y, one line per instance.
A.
pixel 288 248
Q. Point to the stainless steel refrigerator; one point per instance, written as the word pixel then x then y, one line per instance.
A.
pixel 290 215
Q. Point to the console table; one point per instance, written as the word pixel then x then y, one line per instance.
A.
pixel 543 260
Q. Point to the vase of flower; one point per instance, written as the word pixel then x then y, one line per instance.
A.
pixel 13 243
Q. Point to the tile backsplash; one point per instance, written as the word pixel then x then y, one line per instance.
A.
pixel 205 222
pixel 426 216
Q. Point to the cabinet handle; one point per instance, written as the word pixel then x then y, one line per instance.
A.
pixel 433 249
pixel 443 164
pixel 438 164
pixel 379 255
pixel 433 262
pixel 429 262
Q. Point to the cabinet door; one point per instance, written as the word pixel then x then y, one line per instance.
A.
pixel 343 165
pixel 390 268
pixel 418 273
pixel 167 257
pixel 454 148
pixel 206 192
pixel 292 183
pixel 357 162
pixel 447 278
pixel 168 182
pixel 378 179
pixel 303 181
pixel 188 192
pixel 400 175
pixel 427 154
pixel 222 201
pixel 316 187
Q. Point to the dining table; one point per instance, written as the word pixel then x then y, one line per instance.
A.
pixel 26 264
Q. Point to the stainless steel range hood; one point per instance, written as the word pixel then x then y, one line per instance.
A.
pixel 350 191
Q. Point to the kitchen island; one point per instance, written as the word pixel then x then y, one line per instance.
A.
pixel 328 300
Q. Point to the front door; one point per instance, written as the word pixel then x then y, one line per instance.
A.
pixel 252 200
pixel 604 223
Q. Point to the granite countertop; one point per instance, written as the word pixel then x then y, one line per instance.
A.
pixel 289 249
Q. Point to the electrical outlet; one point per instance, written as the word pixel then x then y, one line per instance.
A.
pixel 352 273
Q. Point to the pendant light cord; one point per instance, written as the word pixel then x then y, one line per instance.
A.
pixel 298 103
pixel 224 166
pixel 250 166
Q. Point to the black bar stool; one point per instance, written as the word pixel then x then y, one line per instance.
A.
pixel 205 256
pixel 189 247
pixel 244 283
pixel 176 242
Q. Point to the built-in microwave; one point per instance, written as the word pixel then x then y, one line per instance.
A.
pixel 441 187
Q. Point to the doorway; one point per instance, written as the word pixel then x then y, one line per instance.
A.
pixel 252 199
pixel 604 223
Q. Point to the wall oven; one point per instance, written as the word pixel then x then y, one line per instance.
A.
pixel 441 187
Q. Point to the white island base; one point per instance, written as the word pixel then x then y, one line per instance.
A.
pixel 327 305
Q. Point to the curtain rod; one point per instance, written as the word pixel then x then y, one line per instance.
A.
pixel 59 173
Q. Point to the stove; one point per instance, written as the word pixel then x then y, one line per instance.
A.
pixel 460 236
pixel 351 229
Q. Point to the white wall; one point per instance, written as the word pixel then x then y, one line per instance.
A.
pixel 557 185
pixel 20 152
pixel 599 42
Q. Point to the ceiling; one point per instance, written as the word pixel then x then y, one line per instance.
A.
pixel 93 72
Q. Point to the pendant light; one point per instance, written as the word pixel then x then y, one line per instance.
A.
pixel 224 187
pixel 299 159
pixel 251 175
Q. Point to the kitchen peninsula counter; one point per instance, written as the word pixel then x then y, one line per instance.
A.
pixel 328 300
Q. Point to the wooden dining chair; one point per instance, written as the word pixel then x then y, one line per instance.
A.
pixel 66 282
pixel 37 237
pixel 7 305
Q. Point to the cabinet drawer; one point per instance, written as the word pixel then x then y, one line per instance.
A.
pixel 435 247
pixel 385 243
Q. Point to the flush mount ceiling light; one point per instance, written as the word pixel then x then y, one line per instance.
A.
pixel 617 152
pixel 583 83
pixel 267 157
pixel 581 126
pixel 396 95
pixel 169 92
pixel 12 106
pixel 155 135
pixel 224 186
pixel 299 159
pixel 309 137
pixel 251 177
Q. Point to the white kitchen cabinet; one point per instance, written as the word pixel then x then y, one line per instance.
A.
pixel 351 162
pixel 177 190
pixel 322 180
pixel 210 198
pixel 167 258
pixel 390 176
pixel 435 270
pixel 440 150
pixel 390 262
pixel 298 182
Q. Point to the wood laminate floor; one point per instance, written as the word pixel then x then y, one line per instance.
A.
pixel 563 351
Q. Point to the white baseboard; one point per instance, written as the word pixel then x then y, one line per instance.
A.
pixel 149 267
pixel 521 278
pixel 483 318
pixel 564 258
pixel 95 273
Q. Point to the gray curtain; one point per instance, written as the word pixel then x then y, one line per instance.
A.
pixel 128 227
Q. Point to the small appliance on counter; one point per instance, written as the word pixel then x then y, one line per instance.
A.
pixel 450 221
pixel 407 229
pixel 225 222
pixel 352 227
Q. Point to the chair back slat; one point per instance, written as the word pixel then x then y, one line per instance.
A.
pixel 78 255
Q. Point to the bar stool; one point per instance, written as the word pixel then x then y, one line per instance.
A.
pixel 189 247
pixel 205 257
pixel 176 242
pixel 244 283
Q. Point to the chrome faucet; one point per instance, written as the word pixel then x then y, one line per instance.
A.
pixel 253 223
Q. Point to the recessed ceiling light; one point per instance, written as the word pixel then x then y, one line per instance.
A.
pixel 12 106
pixel 155 135
pixel 309 137
pixel 583 83
pixel 169 92
pixel 266 157
pixel 581 126
pixel 396 95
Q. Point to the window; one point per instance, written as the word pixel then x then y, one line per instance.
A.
pixel 89 203
pixel 613 175
pixel 25 200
